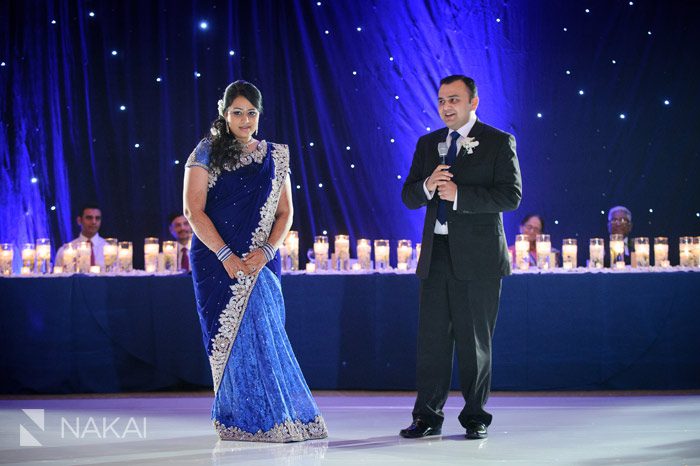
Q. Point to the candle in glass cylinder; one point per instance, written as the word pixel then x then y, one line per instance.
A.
pixel 596 253
pixel 110 251
pixel 28 256
pixel 641 252
pixel 342 252
pixel 696 251
pixel 6 256
pixel 151 247
pixel 364 253
pixel 292 244
pixel 125 256
pixel 617 251
pixel 544 249
pixel 84 253
pixel 569 253
pixel 170 256
pixel 418 252
pixel 381 254
pixel 522 252
pixel 404 251
pixel 321 252
pixel 685 246
pixel 43 255
pixel 660 251
pixel 70 253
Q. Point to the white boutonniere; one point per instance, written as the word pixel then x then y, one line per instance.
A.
pixel 468 144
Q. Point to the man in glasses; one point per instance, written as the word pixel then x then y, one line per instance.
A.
pixel 620 223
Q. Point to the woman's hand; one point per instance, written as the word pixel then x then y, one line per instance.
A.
pixel 233 264
pixel 255 260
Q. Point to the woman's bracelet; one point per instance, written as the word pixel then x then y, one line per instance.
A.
pixel 224 253
pixel 269 251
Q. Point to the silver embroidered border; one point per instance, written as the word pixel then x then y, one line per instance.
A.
pixel 288 431
pixel 231 317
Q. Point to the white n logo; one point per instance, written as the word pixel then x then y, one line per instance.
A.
pixel 25 438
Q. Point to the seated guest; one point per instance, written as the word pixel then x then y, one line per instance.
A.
pixel 620 223
pixel 89 221
pixel 532 225
pixel 180 230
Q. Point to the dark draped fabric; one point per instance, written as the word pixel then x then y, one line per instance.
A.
pixel 351 103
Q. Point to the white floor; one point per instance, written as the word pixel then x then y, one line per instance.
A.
pixel 540 429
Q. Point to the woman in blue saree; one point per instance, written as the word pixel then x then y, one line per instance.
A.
pixel 237 197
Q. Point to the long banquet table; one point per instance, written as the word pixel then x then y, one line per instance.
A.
pixel 555 331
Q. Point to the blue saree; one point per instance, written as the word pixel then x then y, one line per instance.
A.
pixel 260 392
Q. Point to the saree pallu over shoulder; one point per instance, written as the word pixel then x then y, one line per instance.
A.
pixel 260 392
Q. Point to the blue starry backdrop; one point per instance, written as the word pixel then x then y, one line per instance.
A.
pixel 104 101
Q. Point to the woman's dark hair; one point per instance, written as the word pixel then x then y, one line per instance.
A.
pixel 225 149
pixel 529 216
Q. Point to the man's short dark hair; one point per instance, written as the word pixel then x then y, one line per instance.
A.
pixel 531 215
pixel 89 205
pixel 173 216
pixel 469 82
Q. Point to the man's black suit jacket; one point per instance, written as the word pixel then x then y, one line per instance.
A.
pixel 488 183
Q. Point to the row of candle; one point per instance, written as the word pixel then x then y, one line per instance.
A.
pixel 689 252
pixel 76 257
pixel 340 260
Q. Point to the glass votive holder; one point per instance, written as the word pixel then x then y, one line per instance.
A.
pixel 417 253
pixel 641 252
pixel 364 253
pixel 596 253
pixel 661 252
pixel 151 248
pixel 43 255
pixel 84 253
pixel 522 252
pixel 6 255
pixel 109 252
pixel 543 247
pixel 696 251
pixel 569 253
pixel 125 256
pixel 321 252
pixel 292 245
pixel 170 256
pixel 342 252
pixel 404 252
pixel 28 257
pixel 69 257
pixel 617 251
pixel 685 247
pixel 381 254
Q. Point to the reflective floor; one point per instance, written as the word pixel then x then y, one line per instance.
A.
pixel 528 429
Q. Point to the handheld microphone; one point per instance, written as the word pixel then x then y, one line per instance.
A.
pixel 442 151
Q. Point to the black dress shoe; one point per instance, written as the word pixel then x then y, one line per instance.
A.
pixel 476 430
pixel 419 429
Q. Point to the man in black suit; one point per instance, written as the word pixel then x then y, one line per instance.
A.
pixel 463 257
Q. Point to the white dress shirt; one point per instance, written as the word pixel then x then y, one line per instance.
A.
pixel 97 246
pixel 442 229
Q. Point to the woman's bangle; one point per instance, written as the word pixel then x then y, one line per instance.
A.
pixel 269 251
pixel 224 253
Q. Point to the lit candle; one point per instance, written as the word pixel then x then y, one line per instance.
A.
pixel 94 269
pixel 544 249
pixel 522 252
pixel 292 243
pixel 110 251
pixel 310 267
pixel 28 256
pixel 342 251
pixel 617 250
pixel 404 251
pixel 641 252
pixel 402 266
pixel 170 256
pixel 696 251
pixel 84 252
pixel 569 253
pixel 596 253
pixel 6 256
pixel 381 254
pixel 364 253
pixel 125 256
pixel 151 247
pixel 660 251
pixel 685 245
pixel 356 266
pixel 57 269
pixel 25 271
